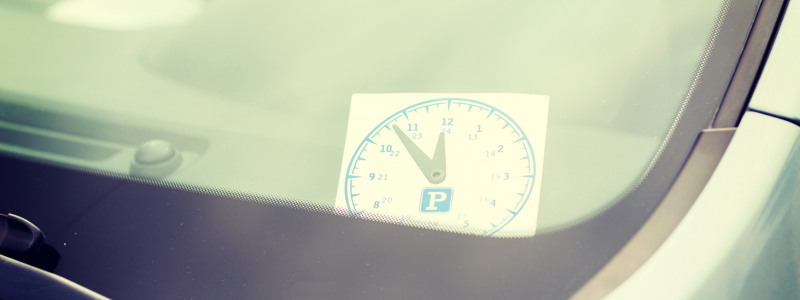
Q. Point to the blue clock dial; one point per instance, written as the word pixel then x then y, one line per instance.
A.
pixel 452 164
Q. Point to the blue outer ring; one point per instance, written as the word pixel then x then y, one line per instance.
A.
pixel 349 178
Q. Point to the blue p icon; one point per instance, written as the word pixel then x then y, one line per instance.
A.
pixel 436 200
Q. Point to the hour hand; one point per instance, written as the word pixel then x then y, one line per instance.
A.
pixel 433 169
pixel 438 163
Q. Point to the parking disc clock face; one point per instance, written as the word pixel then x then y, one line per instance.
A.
pixel 457 164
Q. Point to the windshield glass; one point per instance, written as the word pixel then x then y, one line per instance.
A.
pixel 254 97
pixel 351 149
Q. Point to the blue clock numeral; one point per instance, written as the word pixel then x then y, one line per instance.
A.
pixel 493 153
pixel 414 128
pixel 388 148
pixel 373 176
pixel 503 176
pixel 447 121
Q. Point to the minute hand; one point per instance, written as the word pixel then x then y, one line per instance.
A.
pixel 433 169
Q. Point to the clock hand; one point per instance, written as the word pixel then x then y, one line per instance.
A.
pixel 438 163
pixel 432 169
pixel 422 160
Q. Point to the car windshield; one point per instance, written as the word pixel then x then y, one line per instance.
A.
pixel 277 102
pixel 256 94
